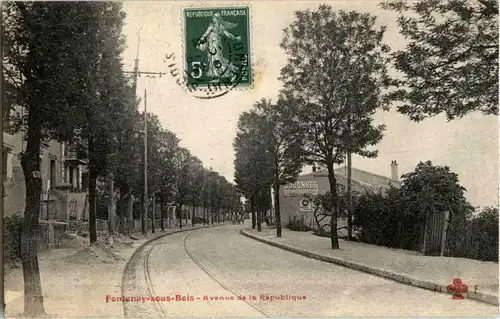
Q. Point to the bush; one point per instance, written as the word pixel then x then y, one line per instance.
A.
pixel 13 227
pixel 199 220
pixel 475 237
pixel 298 225
pixel 388 220
pixel 484 229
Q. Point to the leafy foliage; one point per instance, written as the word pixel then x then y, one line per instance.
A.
pixel 61 64
pixel 13 226
pixel 253 162
pixel 323 207
pixel 298 225
pixel 385 220
pixel 335 75
pixel 268 151
pixel 450 64
pixel 396 217
pixel 434 188
pixel 475 237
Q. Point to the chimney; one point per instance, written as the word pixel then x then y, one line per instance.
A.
pixel 394 171
pixel 314 168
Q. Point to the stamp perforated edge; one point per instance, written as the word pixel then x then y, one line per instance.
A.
pixel 250 36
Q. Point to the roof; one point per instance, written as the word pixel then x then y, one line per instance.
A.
pixel 360 176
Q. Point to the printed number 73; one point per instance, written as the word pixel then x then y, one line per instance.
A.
pixel 197 69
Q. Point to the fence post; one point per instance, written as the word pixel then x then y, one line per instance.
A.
pixel 445 231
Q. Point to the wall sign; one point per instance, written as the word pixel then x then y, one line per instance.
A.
pixel 301 189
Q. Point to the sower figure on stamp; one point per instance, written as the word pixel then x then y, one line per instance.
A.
pixel 211 41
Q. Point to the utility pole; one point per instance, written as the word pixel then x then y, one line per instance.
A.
pixel 137 74
pixel 349 181
pixel 136 64
pixel 153 230
pixel 273 204
pixel 145 212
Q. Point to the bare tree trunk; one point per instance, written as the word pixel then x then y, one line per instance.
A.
pixel 259 214
pixel 33 297
pixel 92 192
pixel 204 214
pixel 130 212
pixel 252 208
pixel 180 216
pixel 111 204
pixel 192 216
pixel 277 212
pixel 349 198
pixel 122 208
pixel 143 216
pixel 92 207
pixel 333 189
pixel 153 212
pixel 162 214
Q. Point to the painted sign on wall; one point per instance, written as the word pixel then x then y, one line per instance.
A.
pixel 300 189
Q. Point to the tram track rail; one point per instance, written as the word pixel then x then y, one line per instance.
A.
pixel 136 267
pixel 226 287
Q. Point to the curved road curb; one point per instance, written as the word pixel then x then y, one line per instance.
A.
pixel 402 278
pixel 141 247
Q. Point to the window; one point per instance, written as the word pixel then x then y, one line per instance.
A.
pixel 52 173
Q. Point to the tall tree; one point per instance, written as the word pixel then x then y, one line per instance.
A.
pixel 281 135
pixel 336 68
pixel 106 96
pixel 182 160
pixel 206 194
pixel 253 161
pixel 155 160
pixel 450 64
pixel 168 173
pixel 196 183
pixel 48 47
pixel 127 159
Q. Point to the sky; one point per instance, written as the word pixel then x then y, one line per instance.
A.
pixel 469 146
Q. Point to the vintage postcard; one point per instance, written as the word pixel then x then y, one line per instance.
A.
pixel 223 159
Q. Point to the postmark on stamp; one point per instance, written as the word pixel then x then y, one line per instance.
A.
pixel 217 48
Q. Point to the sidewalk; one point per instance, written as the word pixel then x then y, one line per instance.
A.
pixel 434 273
pixel 75 281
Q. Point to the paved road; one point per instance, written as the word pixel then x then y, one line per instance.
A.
pixel 219 262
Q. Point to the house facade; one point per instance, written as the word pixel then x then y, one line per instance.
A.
pixel 59 165
pixel 295 198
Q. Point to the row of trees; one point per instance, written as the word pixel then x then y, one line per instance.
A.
pixel 62 63
pixel 333 85
pixel 175 178
pixel 268 154
pixel 336 78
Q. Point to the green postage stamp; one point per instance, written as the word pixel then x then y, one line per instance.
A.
pixel 217 46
